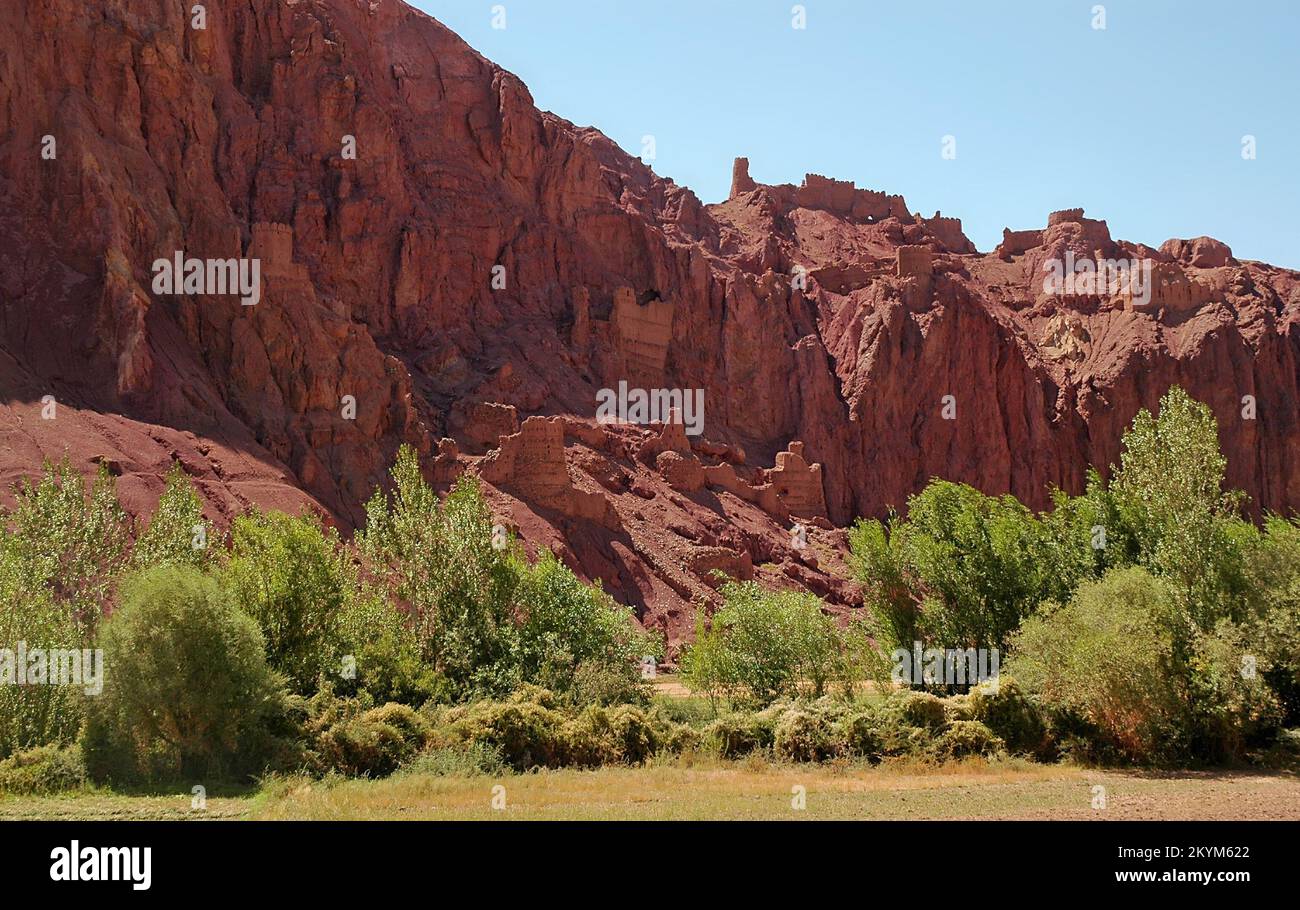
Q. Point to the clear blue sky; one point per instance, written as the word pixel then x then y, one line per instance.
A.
pixel 1140 124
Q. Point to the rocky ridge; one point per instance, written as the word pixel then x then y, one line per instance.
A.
pixel 480 270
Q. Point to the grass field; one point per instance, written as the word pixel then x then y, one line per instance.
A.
pixel 724 790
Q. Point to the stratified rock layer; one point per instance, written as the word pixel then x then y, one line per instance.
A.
pixel 479 270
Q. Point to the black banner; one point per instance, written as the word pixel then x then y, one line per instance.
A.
pixel 335 860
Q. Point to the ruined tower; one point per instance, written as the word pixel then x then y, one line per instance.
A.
pixel 740 179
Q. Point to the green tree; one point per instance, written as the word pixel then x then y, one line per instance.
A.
pixel 1169 491
pixel 68 540
pixel 438 558
pixel 1107 656
pixel 178 533
pixel 34 715
pixel 706 664
pixel 961 571
pixel 573 631
pixel 61 546
pixel 292 577
pixel 188 692
pixel 385 652
pixel 1273 623
pixel 1084 537
pixel 879 562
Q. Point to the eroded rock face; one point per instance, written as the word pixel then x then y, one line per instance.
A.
pixel 480 270
pixel 1199 252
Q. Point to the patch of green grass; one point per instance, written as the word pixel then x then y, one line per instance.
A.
pixel 692 710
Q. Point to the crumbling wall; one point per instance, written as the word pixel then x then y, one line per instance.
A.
pixel 273 244
pixel 643 332
pixel 1017 243
pixel 818 192
pixel 1064 216
pixel 915 262
pixel 839 197
pixel 532 462
pixel 798 484
pixel 948 232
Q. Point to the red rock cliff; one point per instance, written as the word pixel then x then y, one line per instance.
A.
pixel 477 262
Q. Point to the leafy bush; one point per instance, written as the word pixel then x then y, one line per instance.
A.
pixel 806 737
pixel 922 709
pixel 815 731
pixel 762 645
pixel 42 771
pixel 956 708
pixel 576 640
pixel 293 578
pixel 861 734
pixel 1107 655
pixel 737 735
pixel 532 694
pixel 531 731
pixel 526 734
pixel 1006 710
pixel 907 722
pixel 534 729
pixel 965 738
pixel 636 737
pixel 1111 658
pixel 187 690
pixel 1231 707
pixel 369 743
pixel 677 739
pixel 619 735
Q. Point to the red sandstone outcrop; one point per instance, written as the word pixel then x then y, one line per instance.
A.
pixel 741 182
pixel 1200 252
pixel 479 270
